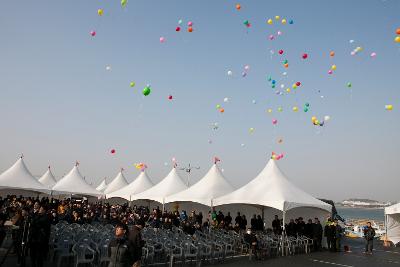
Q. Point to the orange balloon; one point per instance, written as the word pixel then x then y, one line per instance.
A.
pixel 238 6
pixel 286 65
pixel 332 54
pixel 398 31
pixel 190 29
pixel 221 110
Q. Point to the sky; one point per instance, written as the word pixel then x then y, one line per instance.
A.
pixel 65 96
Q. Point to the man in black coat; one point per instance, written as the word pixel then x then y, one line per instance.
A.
pixel 260 223
pixel 317 232
pixel 39 235
pixel 329 234
pixel 276 225
pixel 135 239
pixel 120 249
pixel 308 229
pixel 253 223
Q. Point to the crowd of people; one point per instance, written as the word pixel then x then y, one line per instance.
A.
pixel 39 214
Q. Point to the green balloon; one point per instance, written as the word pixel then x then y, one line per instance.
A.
pixel 146 91
pixel 124 2
pixel 245 22
pixel 305 109
pixel 285 61
pixel 349 85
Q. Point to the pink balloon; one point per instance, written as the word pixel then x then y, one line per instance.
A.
pixel 190 24
pixel 373 54
pixel 330 71
pixel 271 37
pixel 279 33
pixel 352 53
pixel 274 121
pixel 162 39
pixel 93 33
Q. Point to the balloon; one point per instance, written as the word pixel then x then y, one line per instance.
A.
pixel 283 21
pixel 273 81
pixel 221 110
pixel 254 102
pixel 93 33
pixel 373 54
pixel 244 74
pixel 307 104
pixel 313 118
pixel 333 67
pixel 190 24
pixel 238 6
pixel 178 29
pixel 112 151
pixel 285 61
pixel 269 78
pixel 246 22
pixel 132 84
pixel 351 41
pixel 218 106
pixel 146 90
pixel 295 109
pixel 100 12
pixel 108 67
pixel 124 2
pixel 242 145
pixel 269 110
pixel 305 55
pixel 352 53
pixel 389 107
pixel 398 31
pixel 397 39
pixel 271 37
pixel 170 97
pixel 277 17
pixel 226 99
pixel 305 109
pixel 330 71
pixel 162 39
pixel 279 33
pixel 247 67
pixel 280 140
pixel 291 21
pixel 298 83
pixel 180 22
pixel 269 21
pixel 282 86
pixel 280 109
pixel 190 29
pixel 294 86
pixel 288 90
pixel 332 54
pixel 251 130
pixel 274 121
pixel 349 85
pixel 229 73
pixel 280 52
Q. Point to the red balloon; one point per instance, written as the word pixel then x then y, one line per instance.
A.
pixel 298 83
pixel 305 56
pixel 178 29
pixel 112 151
pixel 170 97
pixel 280 52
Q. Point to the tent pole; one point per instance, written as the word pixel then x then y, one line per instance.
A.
pixel 262 215
pixel 283 232
pixel 163 205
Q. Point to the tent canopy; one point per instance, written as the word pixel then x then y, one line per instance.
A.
pixel 393 223
pixel 171 184
pixel 272 189
pixel 74 183
pixel 116 184
pixel 102 186
pixel 48 179
pixel 140 184
pixel 19 177
pixel 211 186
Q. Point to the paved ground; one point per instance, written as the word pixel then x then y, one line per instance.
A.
pixel 386 257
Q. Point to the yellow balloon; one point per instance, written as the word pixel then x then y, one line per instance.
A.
pixel 277 17
pixel 269 110
pixel 132 84
pixel 313 118
pixel 333 67
pixel 295 109
pixel 389 107
pixel 100 12
pixel 284 21
pixel 280 109
pixel 294 86
pixel 269 21
pixel 397 39
pixel 288 90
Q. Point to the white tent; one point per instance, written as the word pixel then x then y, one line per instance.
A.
pixel 140 184
pixel 272 189
pixel 102 186
pixel 74 183
pixel 116 184
pixel 392 216
pixel 211 186
pixel 171 184
pixel 48 179
pixel 19 177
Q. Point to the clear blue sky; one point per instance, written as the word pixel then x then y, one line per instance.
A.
pixel 58 103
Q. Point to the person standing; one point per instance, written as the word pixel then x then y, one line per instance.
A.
pixel 39 236
pixel 369 235
pixel 137 243
pixel 317 234
pixel 120 250
pixel 329 234
pixel 338 235
pixel 276 225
